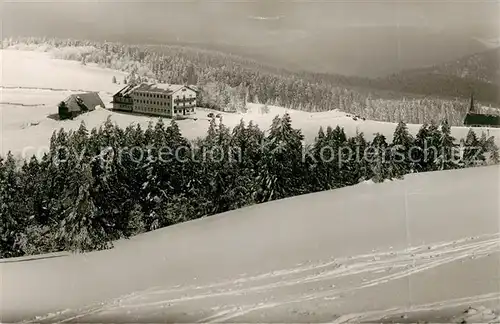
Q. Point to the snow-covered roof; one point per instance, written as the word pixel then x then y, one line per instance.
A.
pixel 88 100
pixel 160 87
pixel 127 90
pixel 163 88
pixel 193 87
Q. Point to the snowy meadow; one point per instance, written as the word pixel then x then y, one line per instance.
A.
pixel 33 83
pixel 371 220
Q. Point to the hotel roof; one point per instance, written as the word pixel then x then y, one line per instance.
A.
pixel 160 87
pixel 154 87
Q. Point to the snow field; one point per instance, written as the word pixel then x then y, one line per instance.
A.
pixel 32 85
pixel 417 248
pixel 427 247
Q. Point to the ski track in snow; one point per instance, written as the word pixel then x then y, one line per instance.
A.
pixel 388 266
pixel 381 314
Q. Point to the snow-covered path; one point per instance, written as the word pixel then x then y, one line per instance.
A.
pixel 283 291
pixel 426 247
pixel 286 291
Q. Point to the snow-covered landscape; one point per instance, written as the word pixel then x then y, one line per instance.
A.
pixel 423 249
pixel 277 234
pixel 33 83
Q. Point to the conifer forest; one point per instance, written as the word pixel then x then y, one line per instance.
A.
pixel 100 185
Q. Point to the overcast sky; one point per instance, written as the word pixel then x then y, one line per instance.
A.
pixel 318 35
pixel 216 18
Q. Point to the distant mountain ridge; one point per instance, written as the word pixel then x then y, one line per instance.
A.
pixel 483 66
pixel 478 73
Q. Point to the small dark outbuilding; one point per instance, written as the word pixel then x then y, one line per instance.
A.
pixel 477 120
pixel 77 104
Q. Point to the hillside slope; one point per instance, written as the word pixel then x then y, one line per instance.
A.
pixel 29 102
pixel 426 247
pixel 479 73
pixel 482 66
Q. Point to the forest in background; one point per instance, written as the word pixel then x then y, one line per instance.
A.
pixel 228 81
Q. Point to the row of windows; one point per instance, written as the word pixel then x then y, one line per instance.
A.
pixel 151 102
pixel 190 96
pixel 184 105
pixel 152 95
pixel 122 99
pixel 123 106
pixel 179 111
pixel 157 95
pixel 152 110
pixel 184 99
